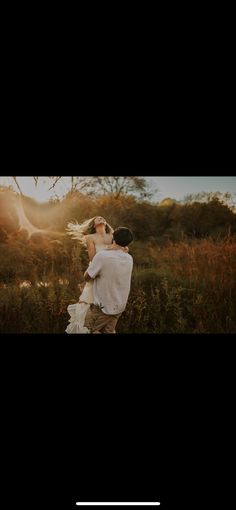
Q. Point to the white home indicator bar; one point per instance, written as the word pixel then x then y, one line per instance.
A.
pixel 117 504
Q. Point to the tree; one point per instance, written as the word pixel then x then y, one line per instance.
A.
pixel 55 180
pixel 226 198
pixel 113 185
pixel 116 186
pixel 77 183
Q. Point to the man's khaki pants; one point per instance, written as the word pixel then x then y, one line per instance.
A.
pixel 98 322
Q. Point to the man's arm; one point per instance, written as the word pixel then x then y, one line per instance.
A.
pixel 94 268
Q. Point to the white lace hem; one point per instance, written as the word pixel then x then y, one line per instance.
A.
pixel 77 314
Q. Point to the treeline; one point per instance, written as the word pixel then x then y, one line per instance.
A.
pixel 193 219
pixel 49 252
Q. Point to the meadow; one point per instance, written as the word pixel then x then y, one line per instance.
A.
pixel 184 278
pixel 185 287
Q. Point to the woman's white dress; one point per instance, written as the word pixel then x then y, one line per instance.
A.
pixel 79 310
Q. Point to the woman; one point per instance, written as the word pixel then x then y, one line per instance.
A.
pixel 95 234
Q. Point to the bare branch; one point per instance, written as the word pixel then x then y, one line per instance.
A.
pixel 15 180
pixel 55 182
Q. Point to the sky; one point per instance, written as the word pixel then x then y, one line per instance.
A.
pixel 173 187
pixel 179 187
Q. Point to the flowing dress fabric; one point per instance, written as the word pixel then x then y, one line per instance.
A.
pixel 78 311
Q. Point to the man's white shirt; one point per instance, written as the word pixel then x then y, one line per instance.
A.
pixel 111 288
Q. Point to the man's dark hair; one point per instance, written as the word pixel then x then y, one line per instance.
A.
pixel 123 236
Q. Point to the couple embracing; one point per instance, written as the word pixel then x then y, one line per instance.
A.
pixel 108 277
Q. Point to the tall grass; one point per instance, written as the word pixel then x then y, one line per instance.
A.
pixel 180 288
pixel 189 288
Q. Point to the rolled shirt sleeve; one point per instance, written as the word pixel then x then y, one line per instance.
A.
pixel 95 266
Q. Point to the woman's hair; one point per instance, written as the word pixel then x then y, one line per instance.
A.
pixel 79 231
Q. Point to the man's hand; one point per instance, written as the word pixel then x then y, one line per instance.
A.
pixel 87 277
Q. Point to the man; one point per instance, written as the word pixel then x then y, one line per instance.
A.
pixel 111 271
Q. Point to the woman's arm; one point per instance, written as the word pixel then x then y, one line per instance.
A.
pixel 90 247
pixel 116 247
